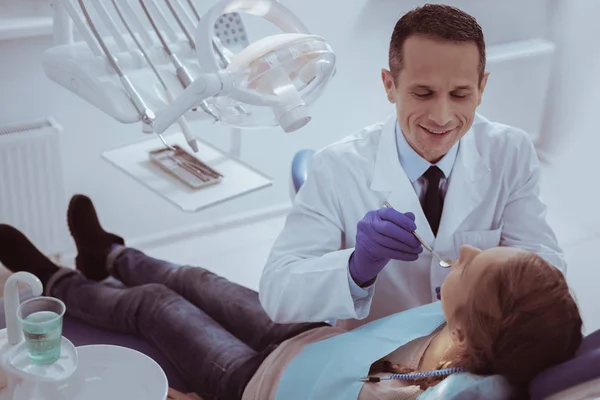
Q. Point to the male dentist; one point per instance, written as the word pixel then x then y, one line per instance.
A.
pixel 450 174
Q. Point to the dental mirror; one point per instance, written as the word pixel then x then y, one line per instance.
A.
pixel 443 263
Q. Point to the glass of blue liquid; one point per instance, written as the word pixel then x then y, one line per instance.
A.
pixel 42 320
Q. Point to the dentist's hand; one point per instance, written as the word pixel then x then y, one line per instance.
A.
pixel 382 235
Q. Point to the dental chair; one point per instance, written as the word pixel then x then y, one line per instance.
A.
pixel 82 334
pixel 577 378
pixel 582 373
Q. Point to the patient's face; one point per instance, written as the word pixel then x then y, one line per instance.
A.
pixel 465 273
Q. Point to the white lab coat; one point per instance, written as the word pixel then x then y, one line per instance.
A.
pixel 492 199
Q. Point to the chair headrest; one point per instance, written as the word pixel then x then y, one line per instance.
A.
pixel 585 366
pixel 300 167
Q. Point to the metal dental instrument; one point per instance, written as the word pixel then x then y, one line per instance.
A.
pixel 182 73
pixel 146 113
pixel 181 24
pixel 182 122
pixel 191 4
pixel 443 263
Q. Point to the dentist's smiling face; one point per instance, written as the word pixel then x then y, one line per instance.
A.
pixel 436 93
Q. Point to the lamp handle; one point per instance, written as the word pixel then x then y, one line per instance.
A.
pixel 271 10
pixel 203 87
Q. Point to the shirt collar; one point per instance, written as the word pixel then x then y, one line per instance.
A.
pixel 414 165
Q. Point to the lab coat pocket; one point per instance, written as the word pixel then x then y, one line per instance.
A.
pixel 482 239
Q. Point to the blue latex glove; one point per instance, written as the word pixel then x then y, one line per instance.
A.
pixel 382 235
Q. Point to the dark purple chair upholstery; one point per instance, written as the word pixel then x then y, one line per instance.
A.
pixel 584 367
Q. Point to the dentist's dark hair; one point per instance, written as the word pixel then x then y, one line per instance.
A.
pixel 436 21
pixel 519 319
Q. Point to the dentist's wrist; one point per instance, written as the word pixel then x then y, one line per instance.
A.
pixel 362 270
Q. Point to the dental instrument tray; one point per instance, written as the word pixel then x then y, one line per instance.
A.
pixel 185 167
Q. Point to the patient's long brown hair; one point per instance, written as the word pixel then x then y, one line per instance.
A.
pixel 519 319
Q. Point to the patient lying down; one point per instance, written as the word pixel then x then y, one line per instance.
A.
pixel 508 312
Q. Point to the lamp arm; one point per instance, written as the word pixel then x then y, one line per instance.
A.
pixel 203 87
pixel 62 25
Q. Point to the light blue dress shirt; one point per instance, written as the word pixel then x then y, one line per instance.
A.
pixel 414 166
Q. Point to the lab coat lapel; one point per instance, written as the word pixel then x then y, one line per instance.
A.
pixel 469 180
pixel 389 177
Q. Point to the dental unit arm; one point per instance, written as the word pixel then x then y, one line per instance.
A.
pixel 271 82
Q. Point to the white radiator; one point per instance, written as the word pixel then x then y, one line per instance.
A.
pixel 32 192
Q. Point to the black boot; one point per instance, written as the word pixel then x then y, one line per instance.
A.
pixel 17 253
pixel 92 241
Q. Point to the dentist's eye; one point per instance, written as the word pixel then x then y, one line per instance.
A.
pixel 422 95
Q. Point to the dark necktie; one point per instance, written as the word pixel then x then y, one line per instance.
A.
pixel 433 203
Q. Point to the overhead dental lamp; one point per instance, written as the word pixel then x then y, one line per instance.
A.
pixel 270 82
pixel 157 62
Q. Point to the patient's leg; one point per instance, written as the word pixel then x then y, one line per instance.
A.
pixel 92 241
pixel 235 307
pixel 212 361
pixel 17 253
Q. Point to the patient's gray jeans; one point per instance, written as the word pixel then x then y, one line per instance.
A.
pixel 214 332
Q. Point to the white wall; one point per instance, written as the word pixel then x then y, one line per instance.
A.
pixel 358 31
pixel 574 98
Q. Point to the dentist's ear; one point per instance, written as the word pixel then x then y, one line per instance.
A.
pixel 388 84
pixel 482 85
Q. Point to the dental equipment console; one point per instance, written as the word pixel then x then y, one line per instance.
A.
pixel 157 62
